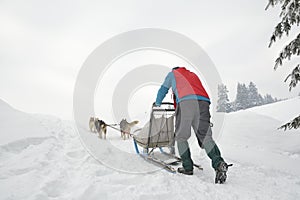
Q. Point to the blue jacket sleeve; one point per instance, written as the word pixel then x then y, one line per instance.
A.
pixel 163 90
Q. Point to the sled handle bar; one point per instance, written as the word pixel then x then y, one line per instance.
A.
pixel 165 103
pixel 159 109
pixel 155 108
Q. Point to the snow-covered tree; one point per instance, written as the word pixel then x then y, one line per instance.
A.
pixel 268 99
pixel 260 100
pixel 231 107
pixel 246 97
pixel 289 16
pixel 253 96
pixel 241 100
pixel 223 101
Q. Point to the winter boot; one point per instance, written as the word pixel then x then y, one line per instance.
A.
pixel 221 172
pixel 185 154
pixel 184 171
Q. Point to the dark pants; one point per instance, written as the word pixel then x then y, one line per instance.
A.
pixel 195 114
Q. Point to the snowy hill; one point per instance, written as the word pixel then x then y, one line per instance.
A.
pixel 42 157
pixel 283 110
pixel 16 125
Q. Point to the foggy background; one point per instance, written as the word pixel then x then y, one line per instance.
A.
pixel 44 43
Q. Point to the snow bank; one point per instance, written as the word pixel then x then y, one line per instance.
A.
pixel 15 125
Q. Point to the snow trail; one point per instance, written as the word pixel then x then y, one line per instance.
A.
pixel 43 158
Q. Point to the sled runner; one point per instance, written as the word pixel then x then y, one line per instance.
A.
pixel 158 134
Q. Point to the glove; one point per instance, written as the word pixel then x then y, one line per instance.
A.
pixel 156 105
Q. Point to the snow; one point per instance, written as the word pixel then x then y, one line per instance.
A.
pixel 43 157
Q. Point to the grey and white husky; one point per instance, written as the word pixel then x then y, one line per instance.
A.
pixel 125 127
pixel 101 127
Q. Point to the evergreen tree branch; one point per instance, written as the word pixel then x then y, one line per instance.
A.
pixel 290 15
pixel 295 77
pixel 293 48
pixel 295 123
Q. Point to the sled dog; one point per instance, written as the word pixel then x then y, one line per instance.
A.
pixel 125 127
pixel 101 127
pixel 92 125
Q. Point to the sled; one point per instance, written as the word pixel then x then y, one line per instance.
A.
pixel 156 140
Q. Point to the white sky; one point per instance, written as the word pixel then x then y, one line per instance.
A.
pixel 44 43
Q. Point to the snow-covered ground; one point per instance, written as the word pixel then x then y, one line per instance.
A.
pixel 42 157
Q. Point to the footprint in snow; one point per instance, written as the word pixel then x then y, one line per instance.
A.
pixel 78 154
pixel 20 145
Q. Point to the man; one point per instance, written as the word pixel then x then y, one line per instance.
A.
pixel 192 110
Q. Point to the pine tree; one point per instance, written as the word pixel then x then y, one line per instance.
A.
pixel 231 106
pixel 241 101
pixel 289 16
pixel 268 99
pixel 223 101
pixel 253 96
pixel 260 100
